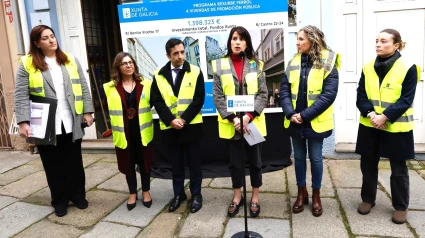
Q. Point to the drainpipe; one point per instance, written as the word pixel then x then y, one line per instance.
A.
pixel 24 25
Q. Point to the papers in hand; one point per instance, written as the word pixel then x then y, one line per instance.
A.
pixel 254 136
pixel 39 118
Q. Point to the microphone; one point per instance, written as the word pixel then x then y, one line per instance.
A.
pixel 242 54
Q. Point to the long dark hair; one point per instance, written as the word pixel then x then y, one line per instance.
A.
pixel 115 71
pixel 249 51
pixel 37 53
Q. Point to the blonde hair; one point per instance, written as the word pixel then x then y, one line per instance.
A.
pixel 318 43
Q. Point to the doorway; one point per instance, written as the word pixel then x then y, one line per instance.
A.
pixel 103 42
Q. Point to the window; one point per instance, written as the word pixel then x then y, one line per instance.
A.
pixel 267 53
pixel 278 42
pixel 196 49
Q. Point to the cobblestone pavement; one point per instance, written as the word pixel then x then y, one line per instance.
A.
pixel 25 210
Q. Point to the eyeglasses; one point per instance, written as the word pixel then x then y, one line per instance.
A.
pixel 129 63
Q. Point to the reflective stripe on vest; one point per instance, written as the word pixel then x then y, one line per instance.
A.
pixel 323 122
pixel 388 93
pixel 36 86
pixel 117 119
pixel 178 105
pixel 221 68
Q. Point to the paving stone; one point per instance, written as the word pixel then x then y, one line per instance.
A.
pixel 346 173
pixel 377 222
pixel 422 173
pixel 13 159
pixel 267 228
pixel 206 182
pixel 274 182
pixel 417 220
pixel 18 216
pixel 208 222
pixel 383 164
pixel 119 183
pixel 106 229
pixel 18 173
pixel 416 164
pixel 89 159
pixel 101 203
pixel 26 186
pixel 42 197
pixel 227 183
pixel 417 188
pixel 6 201
pixel 164 225
pixel 98 173
pixel 36 162
pixel 110 158
pixel 326 190
pixel 141 216
pixel 304 224
pixel 47 229
pixel 272 206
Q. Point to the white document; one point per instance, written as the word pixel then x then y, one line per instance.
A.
pixel 254 136
pixel 39 118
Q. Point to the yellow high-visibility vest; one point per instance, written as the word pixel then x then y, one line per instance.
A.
pixel 117 119
pixel 36 86
pixel 323 122
pixel 388 93
pixel 221 68
pixel 178 105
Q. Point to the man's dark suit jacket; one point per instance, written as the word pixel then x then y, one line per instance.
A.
pixel 190 132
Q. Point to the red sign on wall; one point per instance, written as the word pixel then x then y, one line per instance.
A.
pixel 9 12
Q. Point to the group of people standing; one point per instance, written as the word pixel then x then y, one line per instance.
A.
pixel 309 88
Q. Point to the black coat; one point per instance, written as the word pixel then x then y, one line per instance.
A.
pixel 375 142
pixel 323 102
pixel 190 132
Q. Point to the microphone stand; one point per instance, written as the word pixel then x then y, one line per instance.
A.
pixel 246 233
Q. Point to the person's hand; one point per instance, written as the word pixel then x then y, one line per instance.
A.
pixel 24 130
pixel 182 121
pixel 294 119
pixel 88 118
pixel 237 124
pixel 378 121
pixel 176 124
pixel 299 118
pixel 246 120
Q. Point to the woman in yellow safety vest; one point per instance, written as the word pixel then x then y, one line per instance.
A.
pixel 48 72
pixel 229 73
pixel 128 97
pixel 307 93
pixel 385 100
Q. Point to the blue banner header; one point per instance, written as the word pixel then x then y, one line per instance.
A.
pixel 153 10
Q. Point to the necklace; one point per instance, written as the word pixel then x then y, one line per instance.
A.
pixel 131 112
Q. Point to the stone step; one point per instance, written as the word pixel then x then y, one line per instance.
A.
pixel 350 147
pixel 100 146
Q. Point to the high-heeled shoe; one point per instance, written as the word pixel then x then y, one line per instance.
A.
pixel 130 206
pixel 147 204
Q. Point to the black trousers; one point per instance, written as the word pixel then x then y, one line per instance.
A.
pixel 399 181
pixel 136 155
pixel 237 165
pixel 177 154
pixel 63 165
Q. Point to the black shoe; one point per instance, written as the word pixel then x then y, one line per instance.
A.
pixel 81 204
pixel 255 205
pixel 132 205
pixel 147 204
pixel 196 203
pixel 61 211
pixel 235 207
pixel 175 203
